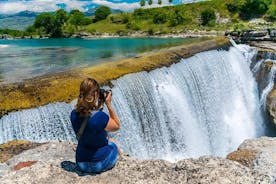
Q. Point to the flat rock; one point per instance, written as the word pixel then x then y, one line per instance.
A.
pixel 55 164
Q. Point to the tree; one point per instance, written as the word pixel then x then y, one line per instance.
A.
pixel 45 21
pixel 207 16
pixel 253 8
pixel 61 16
pixel 150 2
pixel 102 12
pixel 271 13
pixel 142 3
pixel 76 18
pixel 170 1
pixel 159 2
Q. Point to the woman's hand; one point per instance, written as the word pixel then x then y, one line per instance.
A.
pixel 108 98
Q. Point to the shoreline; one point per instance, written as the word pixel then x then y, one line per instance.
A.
pixel 63 86
pixel 86 35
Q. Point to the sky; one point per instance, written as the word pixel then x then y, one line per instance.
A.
pixel 15 6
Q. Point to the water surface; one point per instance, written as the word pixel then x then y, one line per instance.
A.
pixel 22 59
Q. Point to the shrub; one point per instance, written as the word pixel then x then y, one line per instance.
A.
pixel 160 18
pixel 133 25
pixel 102 12
pixel 271 13
pixel 207 16
pixel 253 8
pixel 176 18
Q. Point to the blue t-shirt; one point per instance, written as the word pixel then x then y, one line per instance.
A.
pixel 93 144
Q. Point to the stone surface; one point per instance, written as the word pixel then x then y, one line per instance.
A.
pixel 264 150
pixel 12 148
pixel 55 164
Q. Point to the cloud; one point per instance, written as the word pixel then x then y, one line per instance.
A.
pixel 124 6
pixel 10 7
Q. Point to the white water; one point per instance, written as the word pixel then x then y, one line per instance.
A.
pixel 207 104
pixel 270 84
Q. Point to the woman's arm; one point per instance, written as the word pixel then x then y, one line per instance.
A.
pixel 113 123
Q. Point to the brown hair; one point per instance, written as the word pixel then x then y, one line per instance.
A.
pixel 89 97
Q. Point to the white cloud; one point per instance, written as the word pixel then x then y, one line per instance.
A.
pixel 118 6
pixel 130 6
pixel 39 5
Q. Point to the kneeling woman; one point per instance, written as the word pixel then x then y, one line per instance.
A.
pixel 95 152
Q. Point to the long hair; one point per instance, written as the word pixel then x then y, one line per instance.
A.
pixel 88 99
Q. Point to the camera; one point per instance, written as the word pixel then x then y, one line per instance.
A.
pixel 103 94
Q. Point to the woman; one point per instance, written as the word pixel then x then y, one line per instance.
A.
pixel 95 152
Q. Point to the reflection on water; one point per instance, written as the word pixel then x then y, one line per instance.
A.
pixel 22 59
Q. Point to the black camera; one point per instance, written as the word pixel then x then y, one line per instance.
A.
pixel 103 94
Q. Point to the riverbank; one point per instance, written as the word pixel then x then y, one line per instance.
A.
pixel 133 34
pixel 63 86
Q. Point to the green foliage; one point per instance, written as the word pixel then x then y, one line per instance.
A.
pixel 150 2
pixel 142 2
pixel 133 26
pixel 77 18
pixel 13 33
pixel 271 13
pixel 102 12
pixel 253 8
pixel 207 16
pixel 45 21
pixel 159 2
pixel 160 18
pixel 176 18
pixel 170 1
pixel 121 18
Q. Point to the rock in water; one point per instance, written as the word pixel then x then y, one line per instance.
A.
pixel 55 164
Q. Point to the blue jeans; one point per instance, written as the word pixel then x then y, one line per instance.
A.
pixel 101 166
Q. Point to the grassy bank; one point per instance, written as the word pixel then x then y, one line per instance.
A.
pixel 218 15
pixel 64 87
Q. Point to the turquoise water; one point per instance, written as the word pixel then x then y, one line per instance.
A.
pixel 22 59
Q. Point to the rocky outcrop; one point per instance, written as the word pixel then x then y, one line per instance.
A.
pixel 245 36
pixel 54 163
pixel 260 157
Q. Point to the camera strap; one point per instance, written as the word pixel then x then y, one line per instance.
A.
pixel 83 125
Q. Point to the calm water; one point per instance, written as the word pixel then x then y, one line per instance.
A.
pixel 22 59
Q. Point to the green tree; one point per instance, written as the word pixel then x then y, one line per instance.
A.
pixel 253 8
pixel 159 2
pixel 176 17
pixel 271 13
pixel 142 3
pixel 102 12
pixel 170 1
pixel 61 16
pixel 76 18
pixel 160 17
pixel 150 2
pixel 207 16
pixel 45 21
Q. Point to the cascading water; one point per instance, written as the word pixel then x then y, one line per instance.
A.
pixel 206 104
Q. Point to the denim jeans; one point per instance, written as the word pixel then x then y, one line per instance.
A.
pixel 101 166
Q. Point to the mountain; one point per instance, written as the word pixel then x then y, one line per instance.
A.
pixel 18 21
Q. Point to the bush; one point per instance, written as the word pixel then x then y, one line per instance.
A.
pixel 207 16
pixel 176 18
pixel 160 18
pixel 271 13
pixel 133 25
pixel 102 12
pixel 122 18
pixel 253 8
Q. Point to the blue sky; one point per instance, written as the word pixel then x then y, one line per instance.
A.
pixel 15 6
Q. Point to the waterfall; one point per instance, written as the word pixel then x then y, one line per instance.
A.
pixel 206 104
